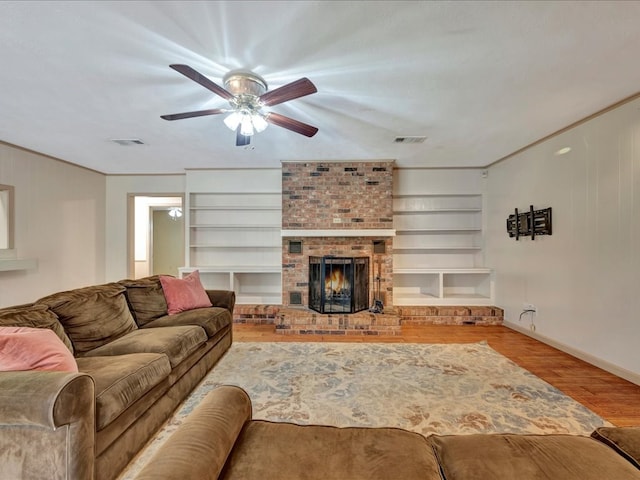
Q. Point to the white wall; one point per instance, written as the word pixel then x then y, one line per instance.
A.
pixel 117 222
pixel 585 278
pixel 437 181
pixel 59 220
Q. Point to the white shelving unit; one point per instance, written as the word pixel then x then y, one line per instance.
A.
pixel 234 241
pixel 454 286
pixel 437 251
pixel 253 285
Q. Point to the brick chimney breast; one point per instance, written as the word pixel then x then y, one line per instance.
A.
pixel 347 196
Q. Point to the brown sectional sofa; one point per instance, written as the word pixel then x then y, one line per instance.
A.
pixel 219 440
pixel 136 364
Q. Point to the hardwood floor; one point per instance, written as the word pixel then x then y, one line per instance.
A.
pixel 611 397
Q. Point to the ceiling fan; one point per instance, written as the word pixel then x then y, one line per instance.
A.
pixel 247 94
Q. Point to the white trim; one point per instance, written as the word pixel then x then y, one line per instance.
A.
pixel 480 270
pixel 364 160
pixel 8 254
pixel 603 364
pixel 340 233
pixel 233 268
pixel 18 264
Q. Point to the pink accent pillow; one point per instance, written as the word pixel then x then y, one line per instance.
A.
pixel 26 348
pixel 184 293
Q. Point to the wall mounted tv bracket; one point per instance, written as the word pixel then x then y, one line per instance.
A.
pixel 531 223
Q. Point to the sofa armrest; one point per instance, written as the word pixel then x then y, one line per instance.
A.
pixel 47 425
pixel 624 440
pixel 199 448
pixel 223 298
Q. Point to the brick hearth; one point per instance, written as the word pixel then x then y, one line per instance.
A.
pixel 306 321
pixel 451 315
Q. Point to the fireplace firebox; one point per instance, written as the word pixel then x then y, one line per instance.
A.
pixel 338 284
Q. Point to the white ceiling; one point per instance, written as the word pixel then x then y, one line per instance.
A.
pixel 479 79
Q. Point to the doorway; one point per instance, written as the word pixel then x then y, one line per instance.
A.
pixel 156 235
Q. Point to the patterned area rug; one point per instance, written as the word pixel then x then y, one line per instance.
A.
pixel 425 388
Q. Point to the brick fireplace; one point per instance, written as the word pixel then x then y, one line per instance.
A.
pixel 342 209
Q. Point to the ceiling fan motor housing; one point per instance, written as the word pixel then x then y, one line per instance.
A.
pixel 242 82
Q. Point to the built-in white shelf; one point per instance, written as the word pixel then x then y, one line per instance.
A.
pixel 236 226
pixel 437 251
pixel 436 210
pixel 278 247
pixel 235 242
pixel 257 284
pixel 238 207
pixel 453 286
pixel 418 271
pixel 436 230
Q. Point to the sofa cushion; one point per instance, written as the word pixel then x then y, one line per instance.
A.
pixel 121 380
pixel 212 319
pixel 26 348
pixel 528 457
pixel 146 299
pixel 184 293
pixel 282 450
pixel 35 316
pixel 92 316
pixel 177 343
pixel 624 440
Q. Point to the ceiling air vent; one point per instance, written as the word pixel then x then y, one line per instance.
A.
pixel 410 139
pixel 126 142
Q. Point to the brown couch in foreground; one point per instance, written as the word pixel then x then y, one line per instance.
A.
pixel 136 364
pixel 219 440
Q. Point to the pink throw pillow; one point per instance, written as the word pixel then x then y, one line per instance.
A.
pixel 184 293
pixel 26 348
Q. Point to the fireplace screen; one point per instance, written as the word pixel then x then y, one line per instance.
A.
pixel 338 284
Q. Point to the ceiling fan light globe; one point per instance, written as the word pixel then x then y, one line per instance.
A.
pixel 175 213
pixel 246 126
pixel 233 120
pixel 259 123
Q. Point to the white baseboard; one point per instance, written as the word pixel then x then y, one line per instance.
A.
pixel 604 365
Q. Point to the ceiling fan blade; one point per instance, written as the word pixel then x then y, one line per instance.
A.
pixel 189 72
pixel 291 124
pixel 199 113
pixel 242 140
pixel 287 92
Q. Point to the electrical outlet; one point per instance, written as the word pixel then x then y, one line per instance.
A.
pixel 337 220
pixel 530 307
